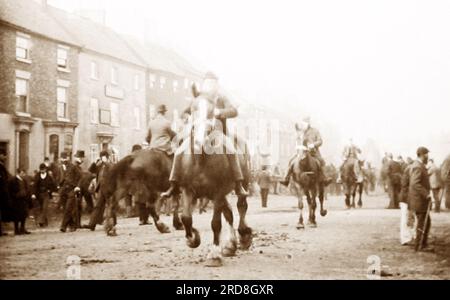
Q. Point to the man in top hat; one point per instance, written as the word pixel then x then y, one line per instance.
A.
pixel 100 169
pixel 71 186
pixel 310 138
pixel 160 133
pixel 44 185
pixel 419 197
pixel 223 110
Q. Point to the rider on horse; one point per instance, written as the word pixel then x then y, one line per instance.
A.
pixel 222 111
pixel 310 138
pixel 350 153
pixel 160 133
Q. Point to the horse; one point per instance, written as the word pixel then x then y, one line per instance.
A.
pixel 207 174
pixel 350 184
pixel 307 180
pixel 143 174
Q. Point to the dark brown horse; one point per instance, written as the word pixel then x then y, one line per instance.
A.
pixel 350 183
pixel 144 174
pixel 207 174
pixel 307 181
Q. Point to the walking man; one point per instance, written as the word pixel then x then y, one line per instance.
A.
pixel 264 182
pixel 394 176
pixel 44 185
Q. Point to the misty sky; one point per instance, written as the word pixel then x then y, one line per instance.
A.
pixel 370 69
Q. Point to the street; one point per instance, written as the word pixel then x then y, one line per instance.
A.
pixel 337 249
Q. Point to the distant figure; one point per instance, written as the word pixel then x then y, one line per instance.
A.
pixel 407 233
pixel 264 182
pixel 276 176
pixel 436 184
pixel 394 177
pixel 445 176
pixel 419 197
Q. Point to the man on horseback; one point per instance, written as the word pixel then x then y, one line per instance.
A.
pixel 160 133
pixel 310 138
pixel 350 153
pixel 222 111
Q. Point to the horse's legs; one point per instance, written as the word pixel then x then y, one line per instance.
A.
pixel 153 201
pixel 214 258
pixel 312 209
pixel 231 245
pixel 353 195
pixel 323 212
pixel 300 224
pixel 176 217
pixel 361 189
pixel 245 232
pixel 110 212
pixel 192 234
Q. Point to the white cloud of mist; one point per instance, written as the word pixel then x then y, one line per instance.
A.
pixel 378 69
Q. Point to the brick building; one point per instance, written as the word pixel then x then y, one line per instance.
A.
pixel 38 85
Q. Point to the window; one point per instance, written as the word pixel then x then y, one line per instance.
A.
pixel 62 57
pixel 94 70
pixel 162 82
pixel 23 46
pixel 136 82
pixel 114 114
pixel 137 117
pixel 94 152
pixel 61 96
pixel 22 95
pixel 175 86
pixel 94 111
pixel 105 116
pixel 186 83
pixel 152 80
pixel 114 75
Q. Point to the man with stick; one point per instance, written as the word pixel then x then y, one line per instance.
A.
pixel 419 197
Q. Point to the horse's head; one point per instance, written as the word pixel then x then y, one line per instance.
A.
pixel 202 120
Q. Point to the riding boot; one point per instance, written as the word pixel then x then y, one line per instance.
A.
pixel 286 178
pixel 173 190
pixel 239 189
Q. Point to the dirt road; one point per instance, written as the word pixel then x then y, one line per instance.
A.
pixel 337 249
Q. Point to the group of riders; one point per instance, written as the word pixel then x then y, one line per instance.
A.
pixel 161 137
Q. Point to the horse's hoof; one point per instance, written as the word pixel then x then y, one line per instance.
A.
pixel 323 213
pixel 163 228
pixel 214 262
pixel 312 224
pixel 300 226
pixel 178 225
pixel 111 233
pixel 245 239
pixel 194 242
pixel 229 249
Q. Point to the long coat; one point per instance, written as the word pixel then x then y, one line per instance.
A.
pixel 160 134
pixel 419 187
pixel 394 172
pixel 19 190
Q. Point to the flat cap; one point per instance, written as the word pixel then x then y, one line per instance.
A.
pixel 422 150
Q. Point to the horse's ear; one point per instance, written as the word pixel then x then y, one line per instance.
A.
pixel 195 91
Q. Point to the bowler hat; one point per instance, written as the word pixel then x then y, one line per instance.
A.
pixel 79 154
pixel 42 167
pixel 422 150
pixel 104 153
pixel 162 108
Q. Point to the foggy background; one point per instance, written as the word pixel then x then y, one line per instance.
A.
pixel 376 71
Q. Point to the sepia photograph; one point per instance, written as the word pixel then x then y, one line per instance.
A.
pixel 224 140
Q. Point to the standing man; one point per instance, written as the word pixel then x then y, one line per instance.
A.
pixel 394 176
pixel 44 185
pixel 264 182
pixel 71 188
pixel 436 184
pixel 308 137
pixel 60 177
pixel 406 215
pixel 4 190
pixel 419 197
pixel 20 201
pixel 100 169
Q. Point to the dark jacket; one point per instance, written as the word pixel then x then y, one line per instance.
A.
pixel 19 190
pixel 100 170
pixel 419 187
pixel 46 185
pixel 72 177
pixel 405 184
pixel 394 172
pixel 160 134
pixel 5 200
